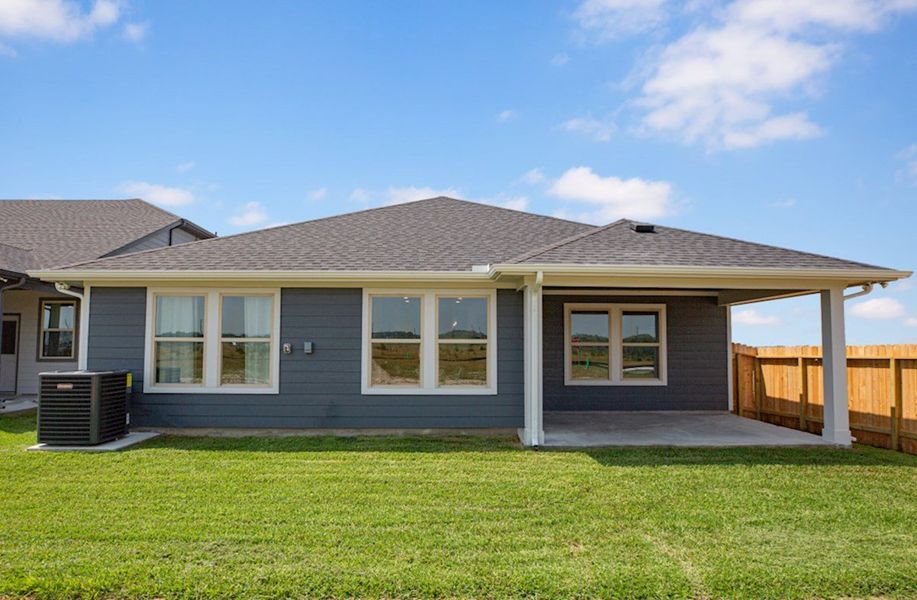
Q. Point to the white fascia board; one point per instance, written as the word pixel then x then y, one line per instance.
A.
pixel 275 276
pixel 683 271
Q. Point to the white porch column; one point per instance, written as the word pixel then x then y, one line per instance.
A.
pixel 834 363
pixel 532 433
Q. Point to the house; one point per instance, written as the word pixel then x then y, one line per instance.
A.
pixel 41 323
pixel 442 313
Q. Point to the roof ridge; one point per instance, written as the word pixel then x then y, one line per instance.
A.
pixel 24 249
pixel 563 242
pixel 319 220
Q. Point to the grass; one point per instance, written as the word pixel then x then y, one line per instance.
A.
pixel 460 517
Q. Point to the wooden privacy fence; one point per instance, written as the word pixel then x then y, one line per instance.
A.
pixel 783 385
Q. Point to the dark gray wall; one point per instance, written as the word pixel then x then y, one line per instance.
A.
pixel 319 390
pixel 697 350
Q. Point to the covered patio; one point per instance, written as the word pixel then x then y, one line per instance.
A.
pixel 705 429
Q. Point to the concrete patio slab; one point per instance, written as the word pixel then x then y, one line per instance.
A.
pixel 131 439
pixel 684 429
pixel 18 404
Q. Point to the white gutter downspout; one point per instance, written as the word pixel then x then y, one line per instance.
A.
pixel 82 348
pixel 867 289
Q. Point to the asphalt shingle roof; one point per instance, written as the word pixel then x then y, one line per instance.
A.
pixel 445 234
pixel 618 244
pixel 39 234
pixel 439 234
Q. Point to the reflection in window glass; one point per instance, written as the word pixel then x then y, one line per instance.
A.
pixel 179 362
pixel 463 318
pixel 641 362
pixel 57 344
pixel 588 327
pixel 463 364
pixel 395 318
pixel 639 327
pixel 59 315
pixel 395 364
pixel 589 362
pixel 245 363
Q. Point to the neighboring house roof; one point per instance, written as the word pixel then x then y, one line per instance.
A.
pixel 445 234
pixel 15 259
pixel 619 244
pixel 46 233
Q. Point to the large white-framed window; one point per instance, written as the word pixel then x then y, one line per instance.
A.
pixel 614 344
pixel 429 342
pixel 212 341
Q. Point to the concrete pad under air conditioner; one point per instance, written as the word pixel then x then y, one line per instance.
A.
pixel 127 441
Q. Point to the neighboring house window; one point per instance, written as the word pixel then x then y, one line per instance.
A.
pixel 429 342
pixel 213 341
pixel 614 344
pixel 57 330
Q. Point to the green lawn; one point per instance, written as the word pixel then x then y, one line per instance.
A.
pixel 461 517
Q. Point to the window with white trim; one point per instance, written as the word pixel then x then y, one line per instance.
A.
pixel 429 342
pixel 212 341
pixel 614 344
pixel 57 330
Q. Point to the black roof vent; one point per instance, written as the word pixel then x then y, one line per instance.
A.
pixel 643 227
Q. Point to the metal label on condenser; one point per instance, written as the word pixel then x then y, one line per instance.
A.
pixel 65 386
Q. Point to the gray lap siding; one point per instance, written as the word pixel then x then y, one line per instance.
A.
pixel 697 355
pixel 317 390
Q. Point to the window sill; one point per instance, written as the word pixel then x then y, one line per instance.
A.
pixel 587 383
pixel 211 390
pixel 414 391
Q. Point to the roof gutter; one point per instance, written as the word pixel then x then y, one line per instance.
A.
pixel 106 275
pixel 875 275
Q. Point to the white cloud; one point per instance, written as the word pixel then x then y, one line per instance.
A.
pixel 56 20
pixel 507 115
pixel 7 51
pixel 909 157
pixel 249 215
pixel 609 19
pixel 878 309
pixel 511 202
pixel 600 131
pixel 185 166
pixel 911 321
pixel 157 194
pixel 560 59
pixel 136 32
pixel 532 177
pixel 612 198
pixel 754 318
pixel 399 195
pixel 719 83
pixel 788 203
pixel 318 193
pixel 360 195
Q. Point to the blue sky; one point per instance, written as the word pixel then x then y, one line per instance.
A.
pixel 786 123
